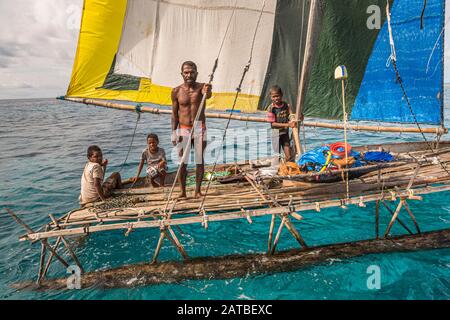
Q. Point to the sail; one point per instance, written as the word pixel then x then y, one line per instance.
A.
pixel 133 50
pixel 373 90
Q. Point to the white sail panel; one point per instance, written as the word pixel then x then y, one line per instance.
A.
pixel 158 36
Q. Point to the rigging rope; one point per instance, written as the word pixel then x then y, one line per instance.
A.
pixel 199 111
pixel 423 14
pixel 238 91
pixel 393 59
pixel 138 111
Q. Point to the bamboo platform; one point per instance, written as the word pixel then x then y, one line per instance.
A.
pixel 417 171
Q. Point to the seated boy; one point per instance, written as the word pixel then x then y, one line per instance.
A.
pixel 279 115
pixel 155 157
pixel 92 186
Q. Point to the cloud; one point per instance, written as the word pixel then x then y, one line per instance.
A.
pixel 38 42
pixel 37 46
pixel 15 85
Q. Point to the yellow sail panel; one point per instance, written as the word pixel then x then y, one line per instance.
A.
pixel 133 50
pixel 101 27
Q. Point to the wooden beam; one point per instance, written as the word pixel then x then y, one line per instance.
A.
pixel 335 126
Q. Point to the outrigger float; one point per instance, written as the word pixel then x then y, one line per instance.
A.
pixel 398 83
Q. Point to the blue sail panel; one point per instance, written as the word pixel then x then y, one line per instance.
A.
pixel 420 63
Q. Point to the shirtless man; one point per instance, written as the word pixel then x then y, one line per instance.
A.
pixel 186 100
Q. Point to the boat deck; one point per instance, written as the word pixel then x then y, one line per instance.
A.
pixel 416 172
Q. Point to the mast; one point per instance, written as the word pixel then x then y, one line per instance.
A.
pixel 311 40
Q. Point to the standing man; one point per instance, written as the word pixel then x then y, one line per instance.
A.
pixel 186 100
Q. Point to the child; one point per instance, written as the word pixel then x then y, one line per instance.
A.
pixel 92 186
pixel 278 114
pixel 156 161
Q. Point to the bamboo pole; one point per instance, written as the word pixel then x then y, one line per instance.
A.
pixel 44 241
pixel 394 218
pixel 66 244
pixel 377 220
pixel 398 219
pixel 335 126
pixel 178 243
pixel 41 263
pixel 311 41
pixel 271 229
pixel 290 226
pixel 158 247
pixel 412 216
pixel 277 237
pixel 49 260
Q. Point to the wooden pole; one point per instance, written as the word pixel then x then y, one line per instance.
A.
pixel 49 260
pixel 178 244
pixel 290 226
pixel 310 45
pixel 412 216
pixel 41 263
pixel 398 219
pixel 271 229
pixel 394 217
pixel 335 126
pixel 377 219
pixel 158 247
pixel 43 241
pixel 277 237
pixel 66 244
pixel 345 138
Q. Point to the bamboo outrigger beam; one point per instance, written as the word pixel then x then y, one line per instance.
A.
pixel 335 126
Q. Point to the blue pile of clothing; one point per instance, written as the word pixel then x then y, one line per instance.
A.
pixel 316 159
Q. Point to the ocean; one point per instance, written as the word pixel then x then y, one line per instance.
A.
pixel 43 144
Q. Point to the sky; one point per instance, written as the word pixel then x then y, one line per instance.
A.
pixel 38 41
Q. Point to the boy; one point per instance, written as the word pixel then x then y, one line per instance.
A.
pixel 278 114
pixel 92 186
pixel 155 157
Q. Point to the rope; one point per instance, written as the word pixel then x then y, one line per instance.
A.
pixel 436 44
pixel 423 14
pixel 138 111
pixel 199 111
pixel 238 91
pixel 393 59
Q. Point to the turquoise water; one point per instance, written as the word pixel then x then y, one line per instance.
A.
pixel 43 145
